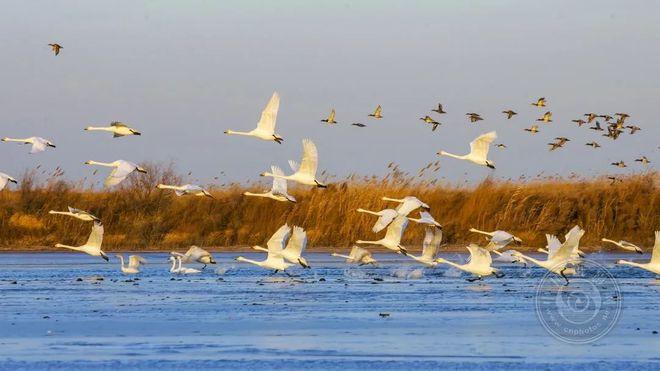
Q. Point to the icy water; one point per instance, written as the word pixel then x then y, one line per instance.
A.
pixel 56 314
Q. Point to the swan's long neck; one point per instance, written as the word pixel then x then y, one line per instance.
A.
pixel 341 256
pixel 231 132
pixel 255 194
pixel 108 164
pixel 26 140
pixel 76 248
pixel 459 266
pixel 369 242
pixel 482 232
pixel 166 186
pixel 535 261
pixel 368 212
pixel 61 213
pixel 260 248
pixel 540 249
pixel 463 157
pixel 121 260
pixel 246 260
pixel 633 264
pixel 99 128
pixel 173 268
pixel 610 241
pixel 391 199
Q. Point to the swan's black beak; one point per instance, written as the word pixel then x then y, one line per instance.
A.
pixel 16 182
pixel 137 133
pixel 50 145
pixel 639 251
pixel 105 257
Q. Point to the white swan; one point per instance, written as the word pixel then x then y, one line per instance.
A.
pixel 430 247
pixel 557 261
pixel 479 263
pixel 133 266
pixel 392 239
pixel 278 190
pixel 77 213
pixel 121 170
pixel 274 259
pixel 408 204
pixel 294 248
pixel 358 255
pixel 180 269
pixel 195 254
pixel 478 150
pixel 385 217
pixel 93 244
pixel 186 189
pixel 266 126
pixel 509 256
pixel 306 174
pixel 427 219
pixel 118 129
pixel 4 179
pixel 39 144
pixel 625 245
pixel 498 239
pixel 653 265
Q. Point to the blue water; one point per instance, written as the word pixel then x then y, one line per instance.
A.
pixel 237 315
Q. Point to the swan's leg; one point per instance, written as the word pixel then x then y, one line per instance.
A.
pixel 472 279
pixel 204 267
pixel 563 275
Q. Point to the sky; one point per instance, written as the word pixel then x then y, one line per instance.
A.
pixel 182 72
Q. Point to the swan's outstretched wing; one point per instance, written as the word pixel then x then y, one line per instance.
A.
pixel 386 217
pixel 294 165
pixel 134 261
pixel 431 244
pixel 501 238
pixel 279 185
pixel 38 145
pixel 276 241
pixel 119 173
pixel 269 115
pixel 553 245
pixel 396 229
pixel 358 254
pixel 195 253
pixel 96 236
pixel 310 158
pixel 298 241
pixel 332 115
pixel 479 256
pixel 479 147
pixel 409 204
pixel 570 245
pixel 655 255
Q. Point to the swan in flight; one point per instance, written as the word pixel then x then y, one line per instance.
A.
pixel 93 244
pixel 393 234
pixel 408 204
pixel 121 170
pixel 478 150
pixel 625 245
pixel 553 246
pixel 187 189
pixel 358 255
pixel 498 239
pixel 479 263
pixel 118 129
pixel 133 266
pixel 274 259
pixel 557 262
pixel 653 265
pixel 430 247
pixel 4 179
pixel 195 254
pixel 427 219
pixel 78 214
pixel 180 269
pixel 294 248
pixel 509 256
pixel 278 190
pixel 266 126
pixel 39 144
pixel 306 172
pixel 385 217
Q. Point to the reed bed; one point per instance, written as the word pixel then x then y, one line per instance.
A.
pixel 137 216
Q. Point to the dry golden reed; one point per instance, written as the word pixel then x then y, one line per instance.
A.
pixel 138 216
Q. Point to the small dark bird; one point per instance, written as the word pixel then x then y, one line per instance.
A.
pixel 509 113
pixel 622 115
pixel 358 124
pixel 547 117
pixel 597 127
pixel 439 109
pixel 579 122
pixel 614 179
pixel 500 145
pixel 331 118
pixel 633 128
pixel 474 117
pixel 56 48
pixel 590 116
pixel 619 164
pixel 593 144
pixel 534 129
pixel 606 117
pixel 613 132
pixel 643 160
pixel 429 120
pixel 541 102
pixel 560 141
pixel 377 113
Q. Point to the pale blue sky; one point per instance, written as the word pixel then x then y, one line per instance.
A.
pixel 183 71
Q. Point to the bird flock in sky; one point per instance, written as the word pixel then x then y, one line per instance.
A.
pixel 286 246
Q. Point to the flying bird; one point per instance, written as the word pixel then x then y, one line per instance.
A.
pixel 597 127
pixel 633 128
pixel 439 110
pixel 509 114
pixel 359 256
pixel 590 116
pixel 534 129
pixel 479 264
pixel 133 264
pixel 56 48
pixel 278 190
pixel 331 118
pixel 625 245
pixel 306 172
pixel 474 117
pixel 593 144
pixel 579 122
pixel 77 213
pixel 652 266
pixel 93 245
pixel 478 150
pixel 195 254
pixel 121 170
pixel 265 129
pixel 186 189
pixel 501 145
pixel 541 102
pixel 4 179
pixel 619 164
pixel 39 144
pixel 547 117
pixel 392 239
pixel 377 113
pixel 358 124
pixel 643 160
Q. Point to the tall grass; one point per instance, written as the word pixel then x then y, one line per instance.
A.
pixel 138 216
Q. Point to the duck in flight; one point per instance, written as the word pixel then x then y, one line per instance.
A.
pixel 547 117
pixel 378 113
pixel 439 110
pixel 534 129
pixel 331 118
pixel 619 164
pixel 474 117
pixel 596 127
pixel 593 144
pixel 541 102
pixel 501 145
pixel 643 160
pixel 265 129
pixel 509 113
pixel 590 117
pixel 358 124
pixel 429 120
pixel 118 129
pixel 56 48
pixel 633 128
pixel 39 144
pixel 579 122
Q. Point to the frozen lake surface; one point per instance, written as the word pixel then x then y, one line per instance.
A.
pixel 239 316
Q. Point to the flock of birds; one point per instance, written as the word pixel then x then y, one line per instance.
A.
pixel 286 246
